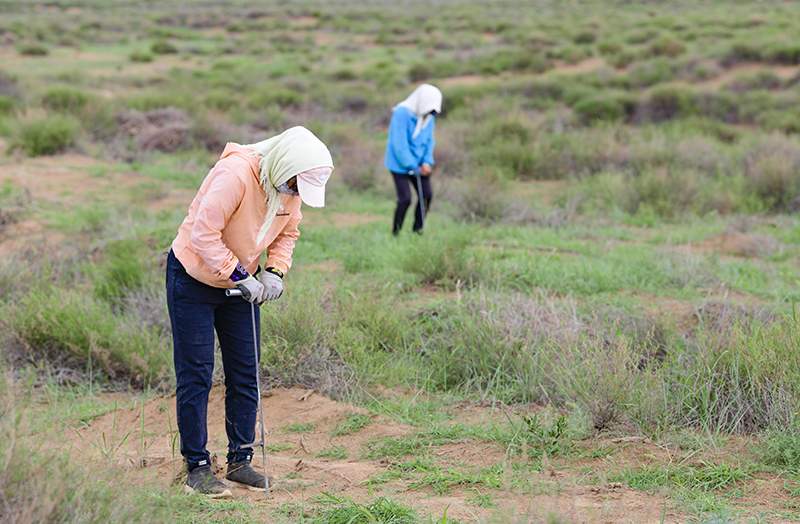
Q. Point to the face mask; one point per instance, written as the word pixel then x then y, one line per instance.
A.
pixel 286 190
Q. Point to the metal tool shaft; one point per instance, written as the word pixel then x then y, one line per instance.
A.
pixel 260 410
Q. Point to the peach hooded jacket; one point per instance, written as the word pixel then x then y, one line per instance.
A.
pixel 230 206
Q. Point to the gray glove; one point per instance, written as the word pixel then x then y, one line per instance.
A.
pixel 416 172
pixel 252 290
pixel 273 285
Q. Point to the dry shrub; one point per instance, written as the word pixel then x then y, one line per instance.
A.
pixel 719 318
pixel 746 372
pixel 751 245
pixel 167 140
pixel 772 174
pixel 603 375
pixel 322 369
pixel 167 130
pixel 702 154
pixel 481 197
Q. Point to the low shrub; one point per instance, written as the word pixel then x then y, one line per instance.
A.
pixel 786 53
pixel 421 71
pixel 65 98
pixel 33 49
pixel 7 105
pixel 344 74
pixel 781 446
pixel 719 105
pixel 787 122
pixel 49 135
pixel 162 47
pixel 510 156
pixel 269 95
pixel 509 60
pixel 652 72
pixel 222 100
pixel 762 80
pixel 609 47
pixel 641 36
pixel 571 54
pixel 494 345
pixel 545 89
pixel 575 94
pixel 666 103
pixel 76 327
pixel 482 197
pixel 748 371
pixel 622 60
pixel 584 37
pixel 669 47
pixel 140 56
pixel 742 52
pixel 608 107
pixel 773 177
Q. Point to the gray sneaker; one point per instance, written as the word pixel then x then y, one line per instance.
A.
pixel 241 474
pixel 203 481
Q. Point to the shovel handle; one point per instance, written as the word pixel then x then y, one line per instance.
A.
pixel 233 292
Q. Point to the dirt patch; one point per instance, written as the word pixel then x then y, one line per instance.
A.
pixel 142 440
pixel 303 21
pixel 590 64
pixel 72 180
pixel 738 245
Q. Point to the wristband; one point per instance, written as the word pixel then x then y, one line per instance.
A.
pixel 274 271
pixel 239 273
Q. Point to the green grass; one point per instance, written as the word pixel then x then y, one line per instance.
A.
pixel 300 427
pixel 781 447
pixel 350 424
pixel 333 453
pixel 346 511
pixel 418 443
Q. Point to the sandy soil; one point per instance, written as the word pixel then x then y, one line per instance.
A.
pixel 142 441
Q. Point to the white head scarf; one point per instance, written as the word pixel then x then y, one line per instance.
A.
pixel 281 157
pixel 422 101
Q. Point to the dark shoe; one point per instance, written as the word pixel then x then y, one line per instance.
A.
pixel 203 481
pixel 241 474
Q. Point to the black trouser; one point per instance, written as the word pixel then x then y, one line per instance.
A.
pixel 402 183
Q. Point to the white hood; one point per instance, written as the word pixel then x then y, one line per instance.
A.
pixel 422 101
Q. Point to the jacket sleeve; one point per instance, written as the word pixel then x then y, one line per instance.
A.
pixel 398 139
pixel 223 197
pixel 428 159
pixel 279 252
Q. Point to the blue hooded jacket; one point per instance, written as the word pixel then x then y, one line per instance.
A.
pixel 410 142
pixel 403 152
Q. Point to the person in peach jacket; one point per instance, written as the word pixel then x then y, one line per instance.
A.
pixel 249 203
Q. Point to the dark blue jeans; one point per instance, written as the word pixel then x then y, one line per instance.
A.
pixel 196 311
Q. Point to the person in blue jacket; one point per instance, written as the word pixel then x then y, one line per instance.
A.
pixel 409 151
